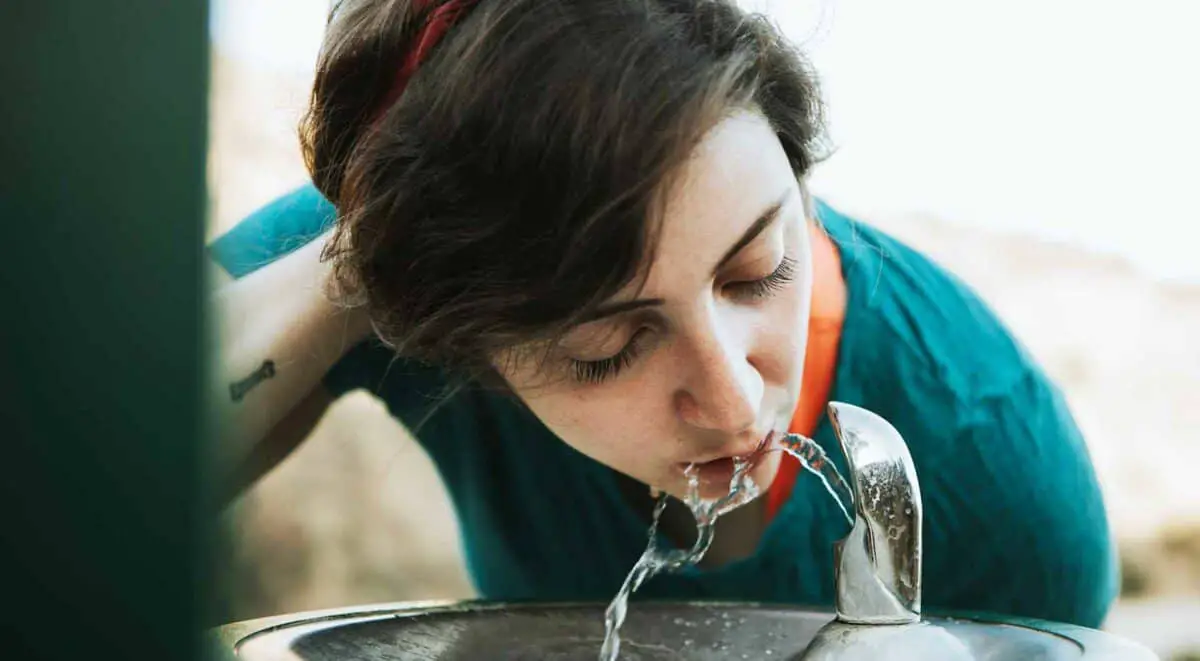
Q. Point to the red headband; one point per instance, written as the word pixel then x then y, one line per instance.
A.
pixel 438 22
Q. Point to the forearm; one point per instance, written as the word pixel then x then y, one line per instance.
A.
pixel 277 335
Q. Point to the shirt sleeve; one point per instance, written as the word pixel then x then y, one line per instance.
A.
pixel 1033 535
pixel 287 223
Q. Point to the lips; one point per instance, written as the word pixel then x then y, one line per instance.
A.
pixel 748 455
pixel 765 442
pixel 719 471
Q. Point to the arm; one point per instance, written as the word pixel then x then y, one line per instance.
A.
pixel 271 306
pixel 295 426
pixel 277 333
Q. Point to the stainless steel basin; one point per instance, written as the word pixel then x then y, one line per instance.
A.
pixel 693 631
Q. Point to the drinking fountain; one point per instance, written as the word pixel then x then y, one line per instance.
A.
pixel 876 614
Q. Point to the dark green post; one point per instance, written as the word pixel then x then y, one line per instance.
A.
pixel 102 201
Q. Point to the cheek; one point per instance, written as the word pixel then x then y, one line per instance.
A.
pixel 569 416
pixel 783 341
pixel 781 345
pixel 615 424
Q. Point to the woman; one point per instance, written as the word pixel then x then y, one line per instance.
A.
pixel 574 254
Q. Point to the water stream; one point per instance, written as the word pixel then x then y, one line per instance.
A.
pixel 654 560
pixel 814 460
pixel 742 490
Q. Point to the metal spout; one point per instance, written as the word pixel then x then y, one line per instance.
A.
pixel 877 567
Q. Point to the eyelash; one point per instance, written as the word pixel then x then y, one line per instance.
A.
pixel 597 371
pixel 764 287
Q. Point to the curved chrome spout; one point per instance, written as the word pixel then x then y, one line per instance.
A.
pixel 878 565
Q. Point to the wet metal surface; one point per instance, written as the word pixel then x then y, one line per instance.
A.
pixel 700 632
pixel 878 565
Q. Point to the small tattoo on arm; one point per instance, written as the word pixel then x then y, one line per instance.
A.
pixel 265 371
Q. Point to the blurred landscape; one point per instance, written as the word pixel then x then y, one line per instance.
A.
pixel 357 514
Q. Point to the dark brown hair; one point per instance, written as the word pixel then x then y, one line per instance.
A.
pixel 514 184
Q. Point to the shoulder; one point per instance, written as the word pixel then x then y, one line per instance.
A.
pixel 1004 470
pixel 913 315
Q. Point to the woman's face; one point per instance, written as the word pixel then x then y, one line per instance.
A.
pixel 706 360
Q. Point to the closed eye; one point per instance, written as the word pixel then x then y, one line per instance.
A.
pixel 754 290
pixel 596 371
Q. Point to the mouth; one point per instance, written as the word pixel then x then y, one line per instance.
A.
pixel 717 474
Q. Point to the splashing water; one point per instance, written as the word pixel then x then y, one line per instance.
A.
pixel 814 460
pixel 654 560
pixel 742 489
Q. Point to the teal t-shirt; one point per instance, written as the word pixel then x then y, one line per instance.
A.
pixel 1014 519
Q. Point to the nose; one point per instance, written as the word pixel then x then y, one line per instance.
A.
pixel 723 389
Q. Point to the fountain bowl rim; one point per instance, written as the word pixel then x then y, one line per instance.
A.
pixel 229 637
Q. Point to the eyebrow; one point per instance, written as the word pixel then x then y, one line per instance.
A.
pixel 764 220
pixel 612 309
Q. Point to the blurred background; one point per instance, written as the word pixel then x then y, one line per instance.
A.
pixel 1042 150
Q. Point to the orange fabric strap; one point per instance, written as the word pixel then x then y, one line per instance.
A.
pixel 820 358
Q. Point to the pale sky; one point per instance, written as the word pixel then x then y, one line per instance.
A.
pixel 1070 120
